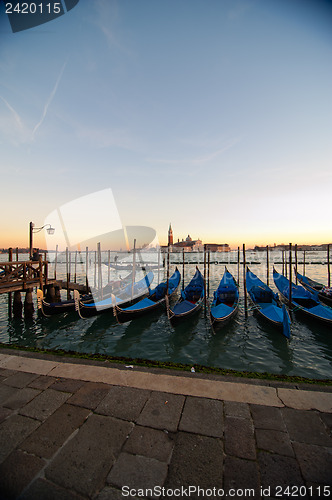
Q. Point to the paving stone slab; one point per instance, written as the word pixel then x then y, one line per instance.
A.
pixel 20 379
pixel 306 400
pixel 274 441
pixel 4 413
pixel 315 462
pixel 45 490
pixel 13 431
pixel 137 472
pixel 21 398
pixel 89 395
pixel 162 411
pixel 51 434
pixel 43 405
pixel 6 392
pixel 202 416
pixel 235 409
pixel 278 470
pixel 123 402
pixel 28 365
pixel 267 417
pixel 4 372
pixel 85 461
pixel 196 461
pixel 17 472
pixel 327 420
pixel 42 382
pixel 239 438
pixel 150 443
pixel 240 473
pixel 67 385
pixel 306 427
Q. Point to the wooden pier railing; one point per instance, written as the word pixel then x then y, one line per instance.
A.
pixel 22 275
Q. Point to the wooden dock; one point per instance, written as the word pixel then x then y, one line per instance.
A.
pixel 23 275
pixel 20 276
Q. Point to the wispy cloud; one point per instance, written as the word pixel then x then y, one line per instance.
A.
pixel 15 128
pixel 14 113
pixel 49 100
pixel 12 126
pixel 108 13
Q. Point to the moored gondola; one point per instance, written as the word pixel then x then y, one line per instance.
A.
pixel 225 301
pixel 266 303
pixel 302 300
pixel 50 308
pixel 191 300
pixel 324 292
pixel 153 301
pixel 130 294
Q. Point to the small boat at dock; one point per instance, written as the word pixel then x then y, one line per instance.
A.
pixel 191 300
pixel 155 299
pixel 49 307
pixel 225 301
pixel 302 300
pixel 324 293
pixel 126 296
pixel 267 304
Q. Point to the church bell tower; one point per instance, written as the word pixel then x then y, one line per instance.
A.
pixel 170 235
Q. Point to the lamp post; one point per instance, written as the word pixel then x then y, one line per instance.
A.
pixel 33 229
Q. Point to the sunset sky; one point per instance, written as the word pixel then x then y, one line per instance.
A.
pixel 214 115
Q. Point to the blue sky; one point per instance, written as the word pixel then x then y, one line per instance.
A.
pixel 213 115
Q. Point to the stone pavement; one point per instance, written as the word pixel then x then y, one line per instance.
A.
pixel 77 429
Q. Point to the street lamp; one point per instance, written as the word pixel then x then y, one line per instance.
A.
pixel 33 229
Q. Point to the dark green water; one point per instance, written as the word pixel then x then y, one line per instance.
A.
pixel 244 344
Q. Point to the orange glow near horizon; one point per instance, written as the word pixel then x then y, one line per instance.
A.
pixel 11 238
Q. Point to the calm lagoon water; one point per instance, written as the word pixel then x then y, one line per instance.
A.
pixel 245 344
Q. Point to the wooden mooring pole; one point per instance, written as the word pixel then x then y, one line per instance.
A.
pixel 134 270
pixel 267 265
pixel 208 275
pixel 75 275
pixel 87 268
pixel 109 266
pixel 245 282
pixel 283 262
pixel 10 258
pixel 100 278
pixel 182 268
pixel 55 261
pixel 328 267
pixel 238 265
pixel 303 262
pixel 95 276
pixel 158 265
pixel 28 304
pixel 205 298
pixel 17 305
pixel 295 263
pixel 68 271
pixel 290 277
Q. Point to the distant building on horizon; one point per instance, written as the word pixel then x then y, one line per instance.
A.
pixel 190 245
pixel 218 247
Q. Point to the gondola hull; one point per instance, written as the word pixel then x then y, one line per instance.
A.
pixel 303 301
pixel 266 304
pixel 315 287
pixel 191 301
pixel 148 305
pixel 124 298
pixel 225 302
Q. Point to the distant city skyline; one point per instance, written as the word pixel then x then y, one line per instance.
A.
pixel 214 115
